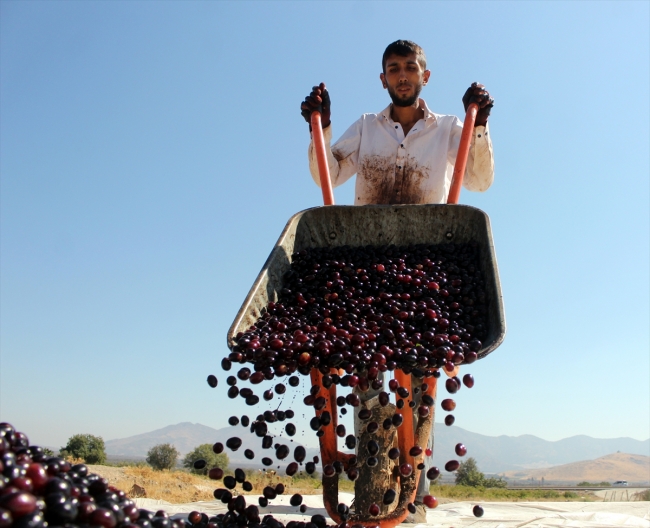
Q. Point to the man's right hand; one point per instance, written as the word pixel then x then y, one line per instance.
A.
pixel 318 99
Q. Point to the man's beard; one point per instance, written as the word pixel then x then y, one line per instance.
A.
pixel 397 101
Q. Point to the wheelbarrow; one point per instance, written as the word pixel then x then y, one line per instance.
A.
pixel 378 225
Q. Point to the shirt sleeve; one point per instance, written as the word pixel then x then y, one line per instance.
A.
pixel 342 157
pixel 479 172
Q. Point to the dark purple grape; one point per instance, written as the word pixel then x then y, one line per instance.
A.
pixel 295 500
pixel 217 448
pixel 303 508
pixel 468 381
pixel 215 473
pixel 290 429
pixel 373 447
pixel 299 454
pixel 294 381
pixel 393 453
pixel 280 388
pixel 267 461
pixel 389 497
pixel 199 464
pixel 233 443
pixel 233 420
pixel 292 469
pixel 372 461
pixel 452 465
pixel 478 511
pixel 433 473
pixel 461 450
pixel 449 419
pixel 213 381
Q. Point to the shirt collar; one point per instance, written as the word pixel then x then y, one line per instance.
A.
pixel 429 116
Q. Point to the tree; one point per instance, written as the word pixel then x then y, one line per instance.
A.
pixel 162 456
pixel 205 452
pixel 88 447
pixel 468 474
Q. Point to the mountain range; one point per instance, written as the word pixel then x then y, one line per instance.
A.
pixel 494 455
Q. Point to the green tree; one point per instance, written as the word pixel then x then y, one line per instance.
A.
pixel 468 474
pixel 162 456
pixel 204 452
pixel 90 448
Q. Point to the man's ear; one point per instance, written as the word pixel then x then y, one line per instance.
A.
pixel 383 80
pixel 425 76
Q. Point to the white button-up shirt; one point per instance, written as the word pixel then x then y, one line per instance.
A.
pixel 392 168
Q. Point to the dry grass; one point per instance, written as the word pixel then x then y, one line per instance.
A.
pixel 464 493
pixel 181 487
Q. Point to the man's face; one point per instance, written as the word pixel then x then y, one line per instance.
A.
pixel 404 79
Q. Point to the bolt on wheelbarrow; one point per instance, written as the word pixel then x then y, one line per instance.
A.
pixel 378 225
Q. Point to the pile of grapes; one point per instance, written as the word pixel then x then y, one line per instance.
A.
pixel 366 311
pixel 37 491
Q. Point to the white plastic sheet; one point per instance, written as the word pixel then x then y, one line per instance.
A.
pixel 459 514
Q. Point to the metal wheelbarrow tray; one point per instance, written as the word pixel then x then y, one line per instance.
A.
pixel 377 225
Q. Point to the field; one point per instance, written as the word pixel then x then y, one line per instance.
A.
pixel 181 487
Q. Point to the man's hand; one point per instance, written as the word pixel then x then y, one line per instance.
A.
pixel 479 95
pixel 318 99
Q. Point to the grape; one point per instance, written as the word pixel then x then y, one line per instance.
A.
pixel 199 464
pixel 433 473
pixel 374 510
pixel 393 453
pixel 430 501
pixel 212 381
pixel 217 448
pixel 449 419
pixel 460 449
pixel 249 454
pixel 478 511
pixel 448 404
pixel 452 465
pixel 389 496
pixel 234 443
pixel 406 469
pixel 233 420
pixel 295 500
pixel 215 473
pixel 468 381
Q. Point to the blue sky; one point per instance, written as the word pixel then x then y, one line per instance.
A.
pixel 151 154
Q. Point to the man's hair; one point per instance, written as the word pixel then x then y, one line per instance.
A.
pixel 404 48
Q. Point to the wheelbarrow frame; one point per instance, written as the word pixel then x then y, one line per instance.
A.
pixel 380 225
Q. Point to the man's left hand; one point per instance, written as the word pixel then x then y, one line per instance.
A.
pixel 479 95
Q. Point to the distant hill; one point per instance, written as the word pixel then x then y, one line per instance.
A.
pixel 186 436
pixel 493 454
pixel 618 466
pixel 496 454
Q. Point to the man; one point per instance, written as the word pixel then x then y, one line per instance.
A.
pixel 404 155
